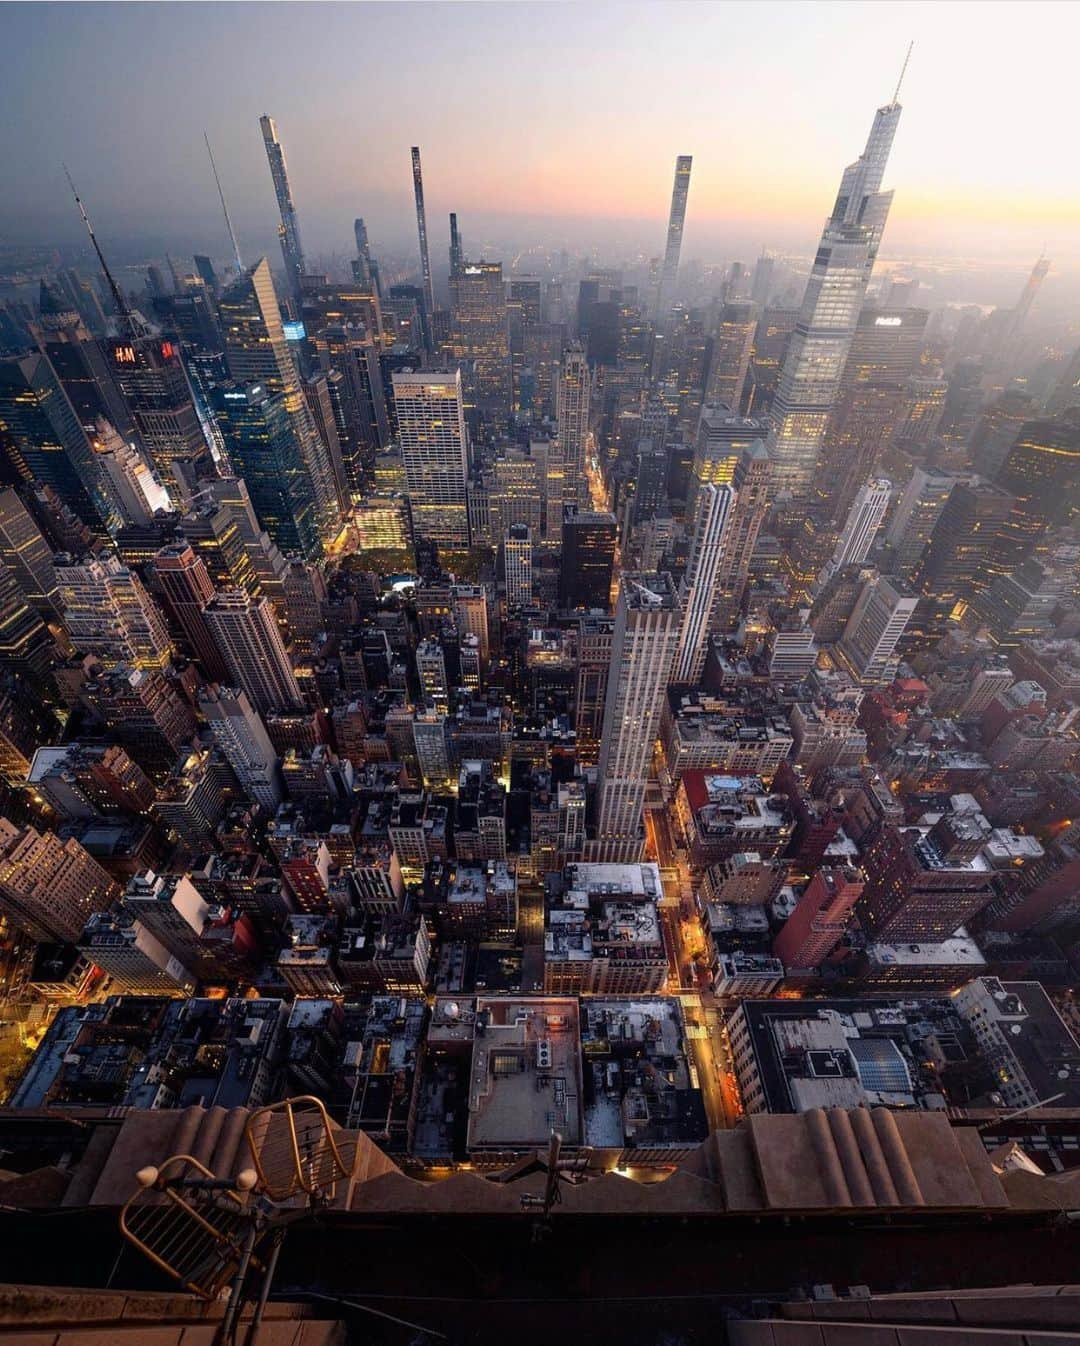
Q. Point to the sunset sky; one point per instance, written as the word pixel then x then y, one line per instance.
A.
pixel 564 117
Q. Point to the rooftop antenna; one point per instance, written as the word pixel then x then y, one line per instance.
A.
pixel 225 208
pixel 118 298
pixel 903 71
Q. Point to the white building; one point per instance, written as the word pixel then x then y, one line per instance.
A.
pixel 860 527
pixel 648 623
pixel 878 620
pixel 714 507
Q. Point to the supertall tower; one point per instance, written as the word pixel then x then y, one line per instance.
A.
pixel 457 257
pixel 421 230
pixel 714 509
pixel 289 228
pixel 810 380
pixel 646 638
pixel 669 276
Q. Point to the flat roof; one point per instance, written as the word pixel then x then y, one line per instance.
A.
pixel 525 1080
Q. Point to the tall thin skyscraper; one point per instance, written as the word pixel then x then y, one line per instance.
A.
pixel 289 228
pixel 250 642
pixel 669 277
pixel 810 380
pixel 434 452
pixel 456 254
pixel 572 419
pixel 421 230
pixel 647 630
pixel 714 509
pixel 753 494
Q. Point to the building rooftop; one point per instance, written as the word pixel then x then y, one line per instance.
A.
pixel 639 1089
pixel 526 1074
pixel 958 951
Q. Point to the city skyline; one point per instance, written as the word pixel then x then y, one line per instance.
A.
pixel 517 174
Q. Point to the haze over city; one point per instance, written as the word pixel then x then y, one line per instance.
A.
pixel 543 123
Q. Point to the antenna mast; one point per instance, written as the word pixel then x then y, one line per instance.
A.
pixel 118 298
pixel 903 70
pixel 225 208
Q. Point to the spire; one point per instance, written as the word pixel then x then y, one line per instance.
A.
pixel 225 210
pixel 903 72
pixel 114 289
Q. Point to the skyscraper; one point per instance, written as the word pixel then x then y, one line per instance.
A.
pixel 421 230
pixel 714 508
pixel 241 735
pixel 822 914
pixel 154 383
pixel 247 635
pixel 1032 286
pixel 431 424
pixel 42 439
pixel 457 257
pixel 961 558
pixel 26 554
pixel 646 638
pixel 588 558
pixel 669 277
pixel 289 228
pixel 127 479
pixel 362 271
pixel 878 620
pixel 872 401
pixel 572 393
pixel 109 614
pixel 517 556
pixel 753 494
pixel 732 344
pixel 916 513
pixel 819 346
pixel 595 643
pixel 181 577
pixel 258 352
pixel 49 887
pixel 722 437
pixel 480 340
pixel 861 526
pixel 1042 473
pixel 261 441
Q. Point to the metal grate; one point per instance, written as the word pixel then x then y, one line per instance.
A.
pixel 295 1150
pixel 196 1237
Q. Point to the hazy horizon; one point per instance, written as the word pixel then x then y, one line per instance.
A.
pixel 541 124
